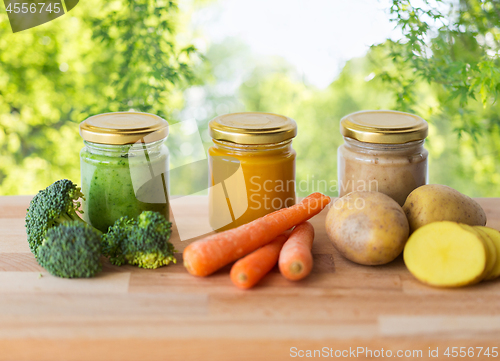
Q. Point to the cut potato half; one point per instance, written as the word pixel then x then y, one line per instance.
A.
pixel 495 238
pixel 445 254
pixel 491 252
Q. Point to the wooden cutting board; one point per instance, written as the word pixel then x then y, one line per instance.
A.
pixel 128 313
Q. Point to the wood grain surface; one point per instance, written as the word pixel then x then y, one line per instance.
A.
pixel 128 313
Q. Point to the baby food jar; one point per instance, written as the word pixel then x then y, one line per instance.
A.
pixel 252 167
pixel 383 151
pixel 124 166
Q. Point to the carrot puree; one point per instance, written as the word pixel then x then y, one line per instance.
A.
pixel 248 181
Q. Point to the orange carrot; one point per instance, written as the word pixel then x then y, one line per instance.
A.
pixel 207 255
pixel 249 270
pixel 295 260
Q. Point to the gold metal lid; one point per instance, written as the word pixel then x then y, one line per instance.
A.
pixel 252 128
pixel 383 126
pixel 123 128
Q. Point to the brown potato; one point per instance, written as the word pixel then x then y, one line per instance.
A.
pixel 435 202
pixel 369 228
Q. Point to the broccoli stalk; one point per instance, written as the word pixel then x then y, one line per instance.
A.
pixel 142 242
pixel 51 207
pixel 71 250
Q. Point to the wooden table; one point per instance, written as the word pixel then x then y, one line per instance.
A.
pixel 127 313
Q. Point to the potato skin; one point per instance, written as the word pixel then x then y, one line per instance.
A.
pixel 436 202
pixel 368 228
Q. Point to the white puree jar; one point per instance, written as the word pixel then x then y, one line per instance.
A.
pixel 383 151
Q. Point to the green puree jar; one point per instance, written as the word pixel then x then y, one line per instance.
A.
pixel 124 166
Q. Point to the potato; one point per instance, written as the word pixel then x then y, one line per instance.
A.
pixel 445 254
pixel 495 238
pixel 435 202
pixel 491 252
pixel 369 228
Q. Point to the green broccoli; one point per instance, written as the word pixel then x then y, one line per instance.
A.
pixel 142 242
pixel 71 250
pixel 51 207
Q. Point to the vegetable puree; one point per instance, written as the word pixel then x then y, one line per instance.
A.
pixel 393 171
pixel 121 186
pixel 124 166
pixel 267 176
pixel 252 167
pixel 384 152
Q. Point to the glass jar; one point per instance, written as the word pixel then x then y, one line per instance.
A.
pixel 383 151
pixel 124 167
pixel 252 167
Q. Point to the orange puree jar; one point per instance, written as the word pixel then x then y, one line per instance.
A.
pixel 252 167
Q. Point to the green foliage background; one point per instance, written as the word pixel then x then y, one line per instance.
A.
pixel 101 57
pixel 127 55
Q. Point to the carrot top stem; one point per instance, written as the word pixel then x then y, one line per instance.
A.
pixel 296 267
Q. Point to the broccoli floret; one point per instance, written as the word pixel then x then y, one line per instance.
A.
pixel 71 250
pixel 52 206
pixel 142 242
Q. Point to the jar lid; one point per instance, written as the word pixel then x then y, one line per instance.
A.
pixel 123 128
pixel 252 128
pixel 383 126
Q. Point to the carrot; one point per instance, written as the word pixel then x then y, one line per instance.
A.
pixel 295 260
pixel 207 255
pixel 249 270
